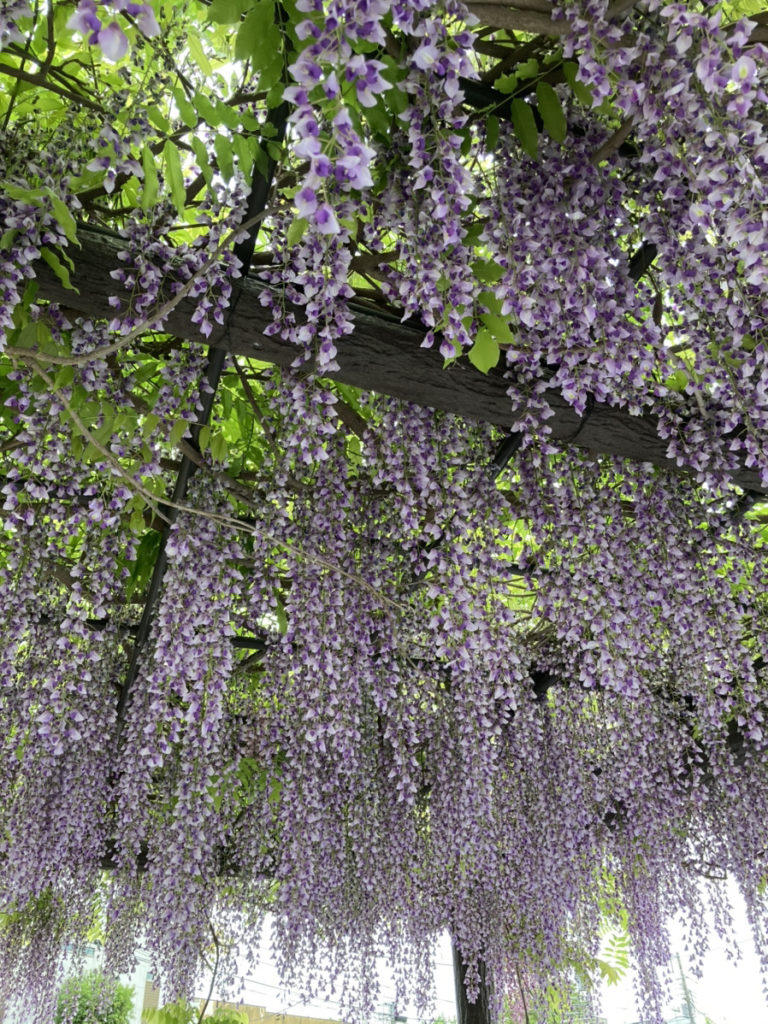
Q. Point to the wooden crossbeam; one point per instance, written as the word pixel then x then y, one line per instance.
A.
pixel 383 355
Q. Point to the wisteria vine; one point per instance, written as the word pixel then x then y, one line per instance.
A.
pixel 391 687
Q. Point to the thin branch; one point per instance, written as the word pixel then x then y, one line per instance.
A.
pixel 45 83
pixel 542 6
pixel 214 972
pixel 522 994
pixel 51 39
pixel 366 262
pixel 528 17
pixel 513 20
pixel 614 142
pixel 351 419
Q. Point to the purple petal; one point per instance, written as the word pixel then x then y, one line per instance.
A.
pixel 148 23
pixel 113 42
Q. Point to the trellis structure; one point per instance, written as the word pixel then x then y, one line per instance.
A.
pixel 549 201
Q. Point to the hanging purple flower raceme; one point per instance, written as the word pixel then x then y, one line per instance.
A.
pixel 318 98
pixel 555 228
pixel 690 85
pixel 30 215
pixel 116 151
pixel 176 785
pixel 61 656
pixel 312 277
pixel 156 270
pixel 318 266
pixel 426 205
pixel 316 269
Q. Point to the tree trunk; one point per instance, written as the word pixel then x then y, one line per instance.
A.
pixel 478 1012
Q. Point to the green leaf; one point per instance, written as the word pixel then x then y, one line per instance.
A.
pixel 26 195
pixel 159 120
pixel 185 109
pixel 178 430
pixel 65 219
pixel 524 124
pixel 487 271
pixel 207 110
pixel 26 336
pixel 204 438
pixel 150 425
pixel 58 268
pixel 379 119
pixel 198 54
pixel 296 231
pixel 63 378
pixel 677 381
pixel 275 94
pixel 271 79
pixel 282 618
pixel 216 796
pixel 491 302
pixel 146 555
pixel 396 99
pixel 484 354
pixel 228 116
pixel 261 161
pixel 551 112
pixel 226 12
pixel 219 447
pixel 528 69
pixel 151 184
pixel 506 84
pixel 258 38
pixel 610 975
pixel 244 151
pixel 175 176
pixel 582 92
pixel 499 327
pixel 223 148
pixel 491 132
pixel 203 161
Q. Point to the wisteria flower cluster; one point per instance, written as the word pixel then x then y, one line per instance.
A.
pixel 369 736
pixel 110 38
pixel 30 222
pixel 442 186
pixel 693 88
pixel 383 688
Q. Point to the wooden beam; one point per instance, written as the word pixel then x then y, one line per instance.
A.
pixel 381 355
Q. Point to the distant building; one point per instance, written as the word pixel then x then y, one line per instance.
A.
pixel 261 1015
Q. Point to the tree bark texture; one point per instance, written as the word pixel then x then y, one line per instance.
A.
pixel 383 355
pixel 478 1012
